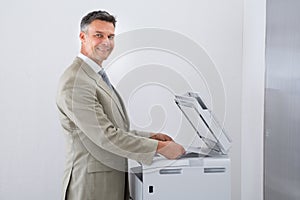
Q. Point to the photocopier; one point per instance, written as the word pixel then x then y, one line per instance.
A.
pixel 202 173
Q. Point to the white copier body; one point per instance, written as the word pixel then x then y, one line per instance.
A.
pixel 206 178
pixel 195 176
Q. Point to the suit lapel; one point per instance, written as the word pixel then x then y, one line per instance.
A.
pixel 122 105
pixel 91 73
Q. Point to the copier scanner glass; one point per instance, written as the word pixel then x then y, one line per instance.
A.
pixel 204 123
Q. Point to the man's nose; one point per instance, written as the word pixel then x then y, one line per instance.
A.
pixel 105 41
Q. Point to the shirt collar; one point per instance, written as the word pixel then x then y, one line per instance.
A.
pixel 90 62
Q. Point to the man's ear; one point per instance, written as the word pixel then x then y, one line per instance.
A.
pixel 82 37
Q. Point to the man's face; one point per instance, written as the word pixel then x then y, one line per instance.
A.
pixel 98 42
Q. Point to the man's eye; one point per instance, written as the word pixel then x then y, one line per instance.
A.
pixel 111 37
pixel 98 35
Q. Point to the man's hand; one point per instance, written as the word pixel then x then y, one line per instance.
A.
pixel 160 137
pixel 170 149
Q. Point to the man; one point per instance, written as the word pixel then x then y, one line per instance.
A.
pixel 96 124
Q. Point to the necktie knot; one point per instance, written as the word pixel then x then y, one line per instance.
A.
pixel 105 77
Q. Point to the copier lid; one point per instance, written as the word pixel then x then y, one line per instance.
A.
pixel 204 123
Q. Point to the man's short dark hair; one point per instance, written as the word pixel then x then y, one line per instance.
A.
pixel 92 16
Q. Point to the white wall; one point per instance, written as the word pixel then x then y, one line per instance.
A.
pixel 253 99
pixel 40 39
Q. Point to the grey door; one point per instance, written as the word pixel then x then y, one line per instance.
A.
pixel 282 101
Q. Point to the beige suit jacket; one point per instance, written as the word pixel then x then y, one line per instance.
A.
pixel 99 142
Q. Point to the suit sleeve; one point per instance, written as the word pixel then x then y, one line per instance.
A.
pixel 141 133
pixel 77 98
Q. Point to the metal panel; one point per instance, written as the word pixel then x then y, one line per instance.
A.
pixel 282 102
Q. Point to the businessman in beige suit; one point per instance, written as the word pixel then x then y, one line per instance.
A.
pixel 94 119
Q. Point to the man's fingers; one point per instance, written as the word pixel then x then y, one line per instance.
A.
pixel 171 150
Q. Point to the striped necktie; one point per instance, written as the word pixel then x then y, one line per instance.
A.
pixel 105 77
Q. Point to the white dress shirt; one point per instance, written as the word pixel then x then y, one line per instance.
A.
pixel 90 62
